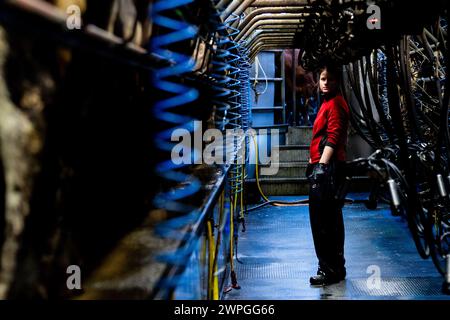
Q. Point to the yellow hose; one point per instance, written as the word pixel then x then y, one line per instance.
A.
pixel 272 202
pixel 211 252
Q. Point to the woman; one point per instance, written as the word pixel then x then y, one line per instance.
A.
pixel 325 172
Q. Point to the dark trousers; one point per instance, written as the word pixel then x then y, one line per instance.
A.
pixel 327 224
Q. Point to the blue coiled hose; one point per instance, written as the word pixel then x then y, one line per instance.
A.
pixel 237 120
pixel 169 81
pixel 181 95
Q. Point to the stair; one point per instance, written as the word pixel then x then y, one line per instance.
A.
pixel 281 186
pixel 299 136
pixel 286 186
pixel 293 160
pixel 289 169
pixel 294 153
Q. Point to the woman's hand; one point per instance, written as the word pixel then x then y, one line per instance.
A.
pixel 326 155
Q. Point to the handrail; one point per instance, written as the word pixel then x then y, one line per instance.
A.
pixel 196 229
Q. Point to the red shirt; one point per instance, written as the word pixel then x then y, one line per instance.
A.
pixel 330 129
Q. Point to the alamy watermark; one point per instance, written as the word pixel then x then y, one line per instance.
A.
pixel 73 21
pixel 374 20
pixel 215 147
pixel 73 281
pixel 374 280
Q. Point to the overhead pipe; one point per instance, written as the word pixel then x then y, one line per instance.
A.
pixel 270 36
pixel 281 44
pixel 279 3
pixel 262 47
pixel 271 10
pixel 236 7
pixel 245 33
pixel 274 45
pixel 247 24
pixel 295 26
pixel 223 4
pixel 274 28
pixel 270 31
pixel 270 41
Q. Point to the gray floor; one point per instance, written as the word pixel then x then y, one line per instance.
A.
pixel 278 257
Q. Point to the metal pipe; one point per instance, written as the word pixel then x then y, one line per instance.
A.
pixel 261 47
pixel 272 10
pixel 280 3
pixel 394 193
pixel 283 86
pixel 261 32
pixel 295 27
pixel 272 3
pixel 285 29
pixel 294 85
pixel 223 4
pixel 280 28
pixel 280 43
pixel 245 33
pixel 270 37
pixel 441 185
pixel 236 7
pixel 269 46
pixel 270 40
pixel 268 16
pixel 275 24
pixel 267 42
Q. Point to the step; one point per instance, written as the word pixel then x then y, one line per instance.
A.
pixel 295 169
pixel 299 135
pixel 283 186
pixel 293 153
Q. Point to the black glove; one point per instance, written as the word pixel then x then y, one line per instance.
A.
pixel 319 172
pixel 321 180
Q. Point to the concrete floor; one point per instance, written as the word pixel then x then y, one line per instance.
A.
pixel 278 257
